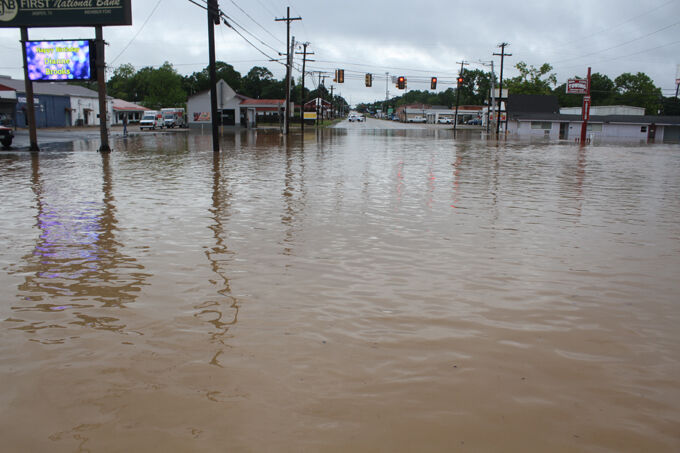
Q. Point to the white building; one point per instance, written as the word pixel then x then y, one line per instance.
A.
pixel 533 116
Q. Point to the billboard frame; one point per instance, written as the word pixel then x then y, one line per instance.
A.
pixel 57 15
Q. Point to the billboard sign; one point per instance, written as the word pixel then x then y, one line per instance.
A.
pixel 64 13
pixel 577 86
pixel 310 115
pixel 60 60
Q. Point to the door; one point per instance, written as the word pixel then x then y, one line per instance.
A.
pixel 564 131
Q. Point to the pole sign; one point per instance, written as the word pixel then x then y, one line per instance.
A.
pixel 577 86
pixel 586 108
pixel 64 13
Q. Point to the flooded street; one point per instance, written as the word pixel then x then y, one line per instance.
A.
pixel 355 290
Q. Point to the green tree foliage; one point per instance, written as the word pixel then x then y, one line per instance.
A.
pixel 121 85
pixel 158 88
pixel 640 91
pixel 531 80
pixel 200 81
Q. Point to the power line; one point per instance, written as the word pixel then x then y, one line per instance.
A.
pixel 619 45
pixel 256 22
pixel 138 32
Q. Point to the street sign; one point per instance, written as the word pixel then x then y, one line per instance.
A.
pixel 87 13
pixel 586 108
pixel 577 86
pixel 310 115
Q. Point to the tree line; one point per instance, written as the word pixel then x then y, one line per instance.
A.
pixel 156 88
pixel 627 89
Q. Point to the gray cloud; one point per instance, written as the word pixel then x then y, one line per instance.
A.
pixel 414 38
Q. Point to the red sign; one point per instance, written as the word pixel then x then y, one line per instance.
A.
pixel 577 86
pixel 586 108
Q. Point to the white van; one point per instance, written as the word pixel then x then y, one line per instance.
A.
pixel 150 120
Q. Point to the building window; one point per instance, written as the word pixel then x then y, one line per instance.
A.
pixel 643 129
pixel 545 125
pixel 594 128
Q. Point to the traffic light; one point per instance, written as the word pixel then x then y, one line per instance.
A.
pixel 369 80
pixel 401 82
pixel 340 75
pixel 433 83
pixel 460 80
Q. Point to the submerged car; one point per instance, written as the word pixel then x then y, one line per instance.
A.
pixel 443 120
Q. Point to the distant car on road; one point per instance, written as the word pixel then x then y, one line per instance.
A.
pixel 358 118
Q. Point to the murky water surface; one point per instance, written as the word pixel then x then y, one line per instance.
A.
pixel 352 291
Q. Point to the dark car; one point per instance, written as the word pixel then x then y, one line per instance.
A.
pixel 6 133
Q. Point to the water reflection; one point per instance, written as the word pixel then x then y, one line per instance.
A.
pixel 294 195
pixel 77 265
pixel 220 312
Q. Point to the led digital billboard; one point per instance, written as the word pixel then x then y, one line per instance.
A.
pixel 60 60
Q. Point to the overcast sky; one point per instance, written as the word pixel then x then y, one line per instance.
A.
pixel 417 39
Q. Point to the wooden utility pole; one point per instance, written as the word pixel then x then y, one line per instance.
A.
pixel 213 19
pixel 302 91
pixel 502 45
pixel 30 102
pixel 100 64
pixel 288 20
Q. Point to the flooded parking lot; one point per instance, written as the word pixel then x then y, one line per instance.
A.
pixel 352 290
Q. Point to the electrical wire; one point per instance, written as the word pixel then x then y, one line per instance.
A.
pixel 256 22
pixel 138 31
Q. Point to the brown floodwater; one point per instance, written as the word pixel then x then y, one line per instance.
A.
pixel 384 291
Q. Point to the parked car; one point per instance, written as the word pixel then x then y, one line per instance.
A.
pixel 475 121
pixel 444 120
pixel 416 119
pixel 6 132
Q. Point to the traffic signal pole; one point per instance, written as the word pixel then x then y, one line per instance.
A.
pixel 460 82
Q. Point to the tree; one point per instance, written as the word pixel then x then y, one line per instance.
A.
pixel 639 90
pixel 200 81
pixel 120 85
pixel 158 88
pixel 532 80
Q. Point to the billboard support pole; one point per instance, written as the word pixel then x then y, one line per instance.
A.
pixel 585 112
pixel 101 82
pixel 30 103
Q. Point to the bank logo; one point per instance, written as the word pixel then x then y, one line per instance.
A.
pixel 8 10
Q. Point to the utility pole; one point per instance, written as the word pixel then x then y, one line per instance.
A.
pixel 302 91
pixel 332 106
pixel 30 102
pixel 213 19
pixel 460 75
pixel 288 20
pixel 101 85
pixel 387 92
pixel 492 107
pixel 318 101
pixel 502 45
